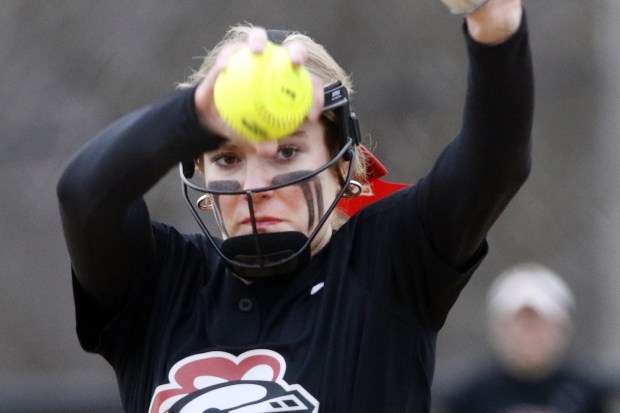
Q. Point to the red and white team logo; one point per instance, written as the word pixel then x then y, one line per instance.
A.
pixel 221 382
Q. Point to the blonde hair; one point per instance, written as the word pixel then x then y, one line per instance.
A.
pixel 320 62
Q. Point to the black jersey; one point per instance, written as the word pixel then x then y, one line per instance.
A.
pixel 353 332
pixel 354 322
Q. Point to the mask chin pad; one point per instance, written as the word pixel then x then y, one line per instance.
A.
pixel 263 255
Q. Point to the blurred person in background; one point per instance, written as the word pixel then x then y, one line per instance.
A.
pixel 246 322
pixel 530 320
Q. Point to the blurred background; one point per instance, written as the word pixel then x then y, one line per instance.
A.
pixel 70 67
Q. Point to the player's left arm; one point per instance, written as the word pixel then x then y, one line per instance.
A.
pixel 483 167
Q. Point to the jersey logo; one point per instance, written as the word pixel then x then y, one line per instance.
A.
pixel 221 382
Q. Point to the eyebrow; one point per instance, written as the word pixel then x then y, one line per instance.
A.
pixel 225 146
pixel 231 146
pixel 299 133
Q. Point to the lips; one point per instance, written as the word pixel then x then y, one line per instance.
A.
pixel 263 223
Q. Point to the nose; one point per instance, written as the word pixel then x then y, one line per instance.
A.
pixel 257 175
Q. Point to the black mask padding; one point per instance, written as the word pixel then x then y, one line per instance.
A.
pixel 274 248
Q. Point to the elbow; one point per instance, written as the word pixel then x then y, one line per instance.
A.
pixel 69 191
pixel 526 165
pixel 523 173
pixel 65 191
pixel 511 174
pixel 520 173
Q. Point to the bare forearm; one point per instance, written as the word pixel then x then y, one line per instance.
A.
pixel 495 22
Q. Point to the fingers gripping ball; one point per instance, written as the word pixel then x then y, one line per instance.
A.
pixel 263 96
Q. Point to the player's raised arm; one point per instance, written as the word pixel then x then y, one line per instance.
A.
pixel 105 221
pixel 481 170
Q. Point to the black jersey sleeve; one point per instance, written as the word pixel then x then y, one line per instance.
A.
pixel 105 220
pixel 428 239
pixel 483 167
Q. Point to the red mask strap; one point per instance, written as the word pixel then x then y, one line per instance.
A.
pixel 379 188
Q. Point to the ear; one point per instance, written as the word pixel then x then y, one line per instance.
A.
pixel 344 167
pixel 341 169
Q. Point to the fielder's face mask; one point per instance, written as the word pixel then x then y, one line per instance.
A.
pixel 264 254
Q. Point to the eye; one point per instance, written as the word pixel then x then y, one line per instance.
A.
pixel 225 159
pixel 287 152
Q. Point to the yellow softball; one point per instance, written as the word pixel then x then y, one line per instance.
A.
pixel 263 96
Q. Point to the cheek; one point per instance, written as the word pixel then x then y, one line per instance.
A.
pixel 303 204
pixel 297 201
pixel 332 186
pixel 226 204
